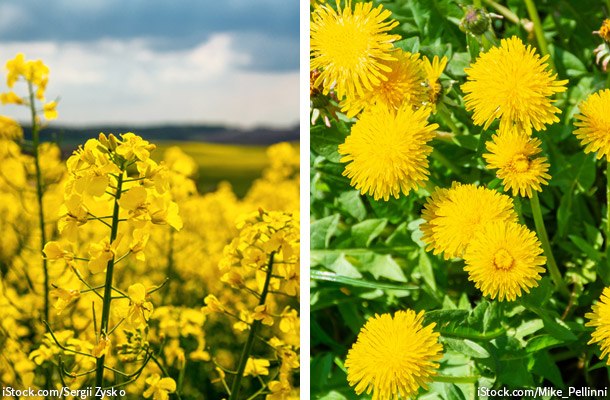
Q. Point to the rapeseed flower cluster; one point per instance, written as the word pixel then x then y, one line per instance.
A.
pixel 390 91
pixel 156 329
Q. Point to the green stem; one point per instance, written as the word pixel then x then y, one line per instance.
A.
pixel 546 246
pixel 507 13
pixel 544 48
pixel 607 202
pixel 455 379
pixel 39 190
pixel 470 336
pixel 99 374
pixel 250 341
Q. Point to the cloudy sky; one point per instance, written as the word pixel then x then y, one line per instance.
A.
pixel 234 62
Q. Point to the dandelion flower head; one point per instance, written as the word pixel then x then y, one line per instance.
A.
pixel 453 216
pixel 504 258
pixel 349 46
pixel 515 154
pixel 403 84
pixel 511 82
pixel 433 72
pixel 600 319
pixel 594 123
pixel 604 30
pixel 387 151
pixel 394 356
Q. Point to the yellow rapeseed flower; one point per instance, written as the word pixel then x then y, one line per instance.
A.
pixel 159 387
pixel 403 84
pixel 511 82
pixel 515 154
pixel 600 319
pixel 394 356
pixel 349 46
pixel 453 216
pixel 10 129
pixel 387 151
pixel 256 367
pixel 594 123
pixel 503 258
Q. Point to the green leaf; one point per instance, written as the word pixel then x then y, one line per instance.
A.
pixel 546 367
pixel 365 232
pixel 322 230
pixel 467 347
pixel 453 392
pixel 343 267
pixel 332 395
pixel 541 342
pixel 557 328
pixel 586 248
pixel 383 266
pixel 320 369
pixel 325 141
pixel 474 47
pixel 426 270
pixel 351 202
pixel 333 277
pixel 410 45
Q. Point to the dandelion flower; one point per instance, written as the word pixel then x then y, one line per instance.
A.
pixel 604 30
pixel 403 84
pixel 387 152
pixel 511 82
pixel 594 123
pixel 600 319
pixel 503 258
pixel 349 46
pixel 394 356
pixel 453 216
pixel 433 72
pixel 515 155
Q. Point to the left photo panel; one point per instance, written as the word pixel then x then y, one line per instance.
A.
pixel 149 200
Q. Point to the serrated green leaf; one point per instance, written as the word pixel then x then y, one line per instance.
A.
pixel 453 392
pixel 586 248
pixel 333 277
pixel 322 230
pixel 467 347
pixel 325 141
pixel 425 268
pixel 541 342
pixel 409 45
pixel 557 328
pixel 365 232
pixel 343 267
pixel 351 202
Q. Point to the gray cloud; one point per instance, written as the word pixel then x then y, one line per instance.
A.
pixel 269 28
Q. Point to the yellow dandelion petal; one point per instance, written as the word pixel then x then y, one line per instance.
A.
pixel 350 45
pixel 594 123
pixel 403 84
pixel 394 356
pixel 600 319
pixel 511 82
pixel 515 154
pixel 387 152
pixel 453 216
pixel 503 259
pixel 433 72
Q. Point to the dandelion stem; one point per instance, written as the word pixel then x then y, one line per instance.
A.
pixel 607 203
pixel 253 328
pixel 99 375
pixel 544 48
pixel 456 379
pixel 546 246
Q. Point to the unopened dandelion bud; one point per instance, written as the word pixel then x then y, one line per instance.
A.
pixel 475 21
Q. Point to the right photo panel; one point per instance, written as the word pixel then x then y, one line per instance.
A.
pixel 459 199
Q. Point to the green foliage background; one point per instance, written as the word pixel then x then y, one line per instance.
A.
pixel 367 256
